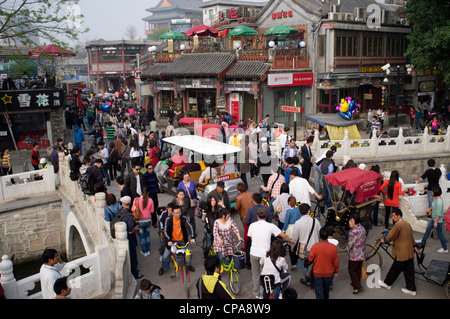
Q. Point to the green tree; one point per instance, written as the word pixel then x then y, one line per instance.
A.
pixel 429 42
pixel 27 22
pixel 157 33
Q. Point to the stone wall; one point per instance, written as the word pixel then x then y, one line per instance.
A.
pixel 29 226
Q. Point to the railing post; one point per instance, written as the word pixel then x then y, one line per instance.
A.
pixel 346 144
pixel 401 141
pixel 374 143
pixel 7 279
pixel 122 266
pixel 448 139
pixel 425 139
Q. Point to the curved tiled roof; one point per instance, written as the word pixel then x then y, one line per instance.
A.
pixel 249 69
pixel 200 64
pixel 154 71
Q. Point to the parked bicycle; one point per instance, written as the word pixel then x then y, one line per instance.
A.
pixel 232 264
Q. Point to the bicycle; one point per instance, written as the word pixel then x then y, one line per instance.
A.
pixel 319 208
pixel 179 256
pixel 233 274
pixel 373 254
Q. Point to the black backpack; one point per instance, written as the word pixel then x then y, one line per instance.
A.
pixel 87 182
pixel 118 218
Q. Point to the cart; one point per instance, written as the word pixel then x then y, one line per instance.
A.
pixel 353 191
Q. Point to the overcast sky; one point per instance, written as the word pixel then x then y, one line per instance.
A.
pixel 108 19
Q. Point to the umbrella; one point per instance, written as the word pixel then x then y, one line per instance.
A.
pixel 281 30
pixel 173 35
pixel 242 31
pixel 52 50
pixel 202 30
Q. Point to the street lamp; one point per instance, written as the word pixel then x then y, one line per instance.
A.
pixel 75 94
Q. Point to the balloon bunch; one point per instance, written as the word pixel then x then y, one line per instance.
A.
pixel 348 108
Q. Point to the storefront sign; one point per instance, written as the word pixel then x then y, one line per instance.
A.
pixel 426 86
pixel 291 109
pixel 282 14
pixel 290 79
pixel 19 100
pixel 371 69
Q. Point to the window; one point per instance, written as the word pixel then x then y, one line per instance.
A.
pixel 322 46
pixel 346 45
pixel 372 45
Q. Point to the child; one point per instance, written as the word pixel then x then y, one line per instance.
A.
pixel 148 291
pixel 434 125
pixel 61 289
pixel 375 125
pixel 437 220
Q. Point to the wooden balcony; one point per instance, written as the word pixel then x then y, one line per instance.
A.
pixel 356 62
pixel 290 59
pixel 254 55
pixel 166 57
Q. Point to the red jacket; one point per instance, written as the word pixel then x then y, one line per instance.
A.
pixel 395 201
pixel 325 258
pixel 34 157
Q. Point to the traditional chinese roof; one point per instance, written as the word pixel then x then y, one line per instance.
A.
pixel 154 71
pixel 250 69
pixel 172 9
pixel 200 64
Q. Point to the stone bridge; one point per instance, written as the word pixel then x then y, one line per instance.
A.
pixel 56 214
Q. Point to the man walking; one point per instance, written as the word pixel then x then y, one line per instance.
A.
pixel 78 138
pixel 308 157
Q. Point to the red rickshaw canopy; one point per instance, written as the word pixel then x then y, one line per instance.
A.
pixel 365 183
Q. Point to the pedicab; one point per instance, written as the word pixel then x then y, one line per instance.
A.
pixel 352 191
pixel 205 150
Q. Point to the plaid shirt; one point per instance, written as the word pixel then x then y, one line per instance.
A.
pixel 274 185
pixel 224 232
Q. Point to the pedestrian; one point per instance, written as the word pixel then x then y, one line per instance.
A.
pixel 432 174
pixel 304 235
pixel 124 189
pixel 394 190
pixel 273 187
pixel 78 138
pixel 326 265
pixel 274 264
pixel 224 243
pixel 261 233
pixel 289 151
pixel 112 163
pixel 281 204
pixel 210 286
pixel 375 127
pixel 135 180
pixel 356 252
pixel 243 161
pixel 306 154
pixel 148 291
pixel 112 207
pixel 209 216
pixel 190 193
pixel 35 156
pixel 61 289
pixel 376 168
pixel 221 194
pixel 171 115
pixel 125 160
pixel 292 215
pixel 418 118
pixel 132 229
pixel 154 192
pixel 403 247
pixel 103 154
pixel 300 188
pixel 143 208
pixel 50 271
pixel 75 163
pixel 6 163
pixel 177 231
pixel 243 203
pixel 436 213
pixel 327 167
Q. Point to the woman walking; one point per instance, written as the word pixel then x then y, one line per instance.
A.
pixel 6 164
pixel 145 207
pixel 190 194
pixel 209 216
pixel 356 252
pixel 394 190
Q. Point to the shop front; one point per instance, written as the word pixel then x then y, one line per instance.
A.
pixel 29 116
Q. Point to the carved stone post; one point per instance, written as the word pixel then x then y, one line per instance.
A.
pixel 122 267
pixel 7 279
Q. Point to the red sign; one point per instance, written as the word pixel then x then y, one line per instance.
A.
pixel 282 14
pixel 290 79
pixel 234 14
pixel 292 109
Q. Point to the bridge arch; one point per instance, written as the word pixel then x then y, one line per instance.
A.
pixel 76 239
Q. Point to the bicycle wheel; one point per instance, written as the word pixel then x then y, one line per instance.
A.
pixel 185 282
pixel 373 257
pixel 447 289
pixel 234 282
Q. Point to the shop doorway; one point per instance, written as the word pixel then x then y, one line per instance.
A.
pixel 249 109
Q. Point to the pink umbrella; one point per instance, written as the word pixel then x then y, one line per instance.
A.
pixel 202 30
pixel 52 50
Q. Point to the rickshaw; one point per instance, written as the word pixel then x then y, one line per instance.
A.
pixel 204 150
pixel 353 191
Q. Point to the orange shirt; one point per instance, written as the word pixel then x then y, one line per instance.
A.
pixel 394 202
pixel 177 234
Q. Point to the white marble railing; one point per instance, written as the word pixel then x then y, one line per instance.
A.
pixel 26 185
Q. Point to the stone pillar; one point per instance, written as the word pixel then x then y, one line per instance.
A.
pixel 401 141
pixel 7 279
pixel 100 203
pixel 122 267
pixel 374 143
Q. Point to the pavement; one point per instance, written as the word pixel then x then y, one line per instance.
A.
pixel 172 288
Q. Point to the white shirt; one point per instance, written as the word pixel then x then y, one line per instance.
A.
pixel 207 174
pixel 282 138
pixel 269 269
pixel 138 185
pixel 301 190
pixel 135 152
pixel 48 276
pixel 104 152
pixel 261 233
pixel 228 168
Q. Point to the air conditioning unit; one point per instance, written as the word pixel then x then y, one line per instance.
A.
pixel 360 14
pixel 335 8
pixel 348 16
pixel 335 16
pixel 387 17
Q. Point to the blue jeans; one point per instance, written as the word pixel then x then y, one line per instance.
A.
pixel 105 175
pixel 439 231
pixel 322 287
pixel 430 198
pixel 302 264
pixel 144 236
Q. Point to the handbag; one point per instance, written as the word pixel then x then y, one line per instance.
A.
pixel 279 208
pixel 363 272
pixel 301 248
pixel 193 201
pixel 136 212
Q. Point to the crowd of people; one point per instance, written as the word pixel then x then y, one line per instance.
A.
pixel 276 219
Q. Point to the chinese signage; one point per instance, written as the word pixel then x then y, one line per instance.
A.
pixel 371 69
pixel 282 14
pixel 292 109
pixel 18 100
pixel 290 79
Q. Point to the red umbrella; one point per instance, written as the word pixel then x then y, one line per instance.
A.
pixel 202 30
pixel 52 50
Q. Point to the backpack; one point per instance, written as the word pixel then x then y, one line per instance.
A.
pixel 118 218
pixel 87 182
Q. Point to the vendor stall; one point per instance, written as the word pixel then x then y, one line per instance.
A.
pixel 336 125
